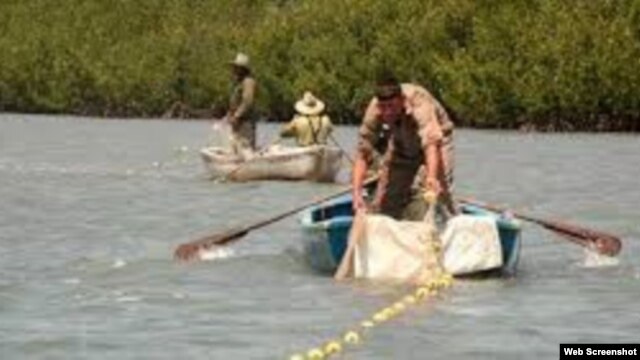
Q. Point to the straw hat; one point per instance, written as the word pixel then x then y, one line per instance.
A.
pixel 241 60
pixel 309 104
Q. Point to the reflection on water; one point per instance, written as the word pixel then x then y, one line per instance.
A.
pixel 593 259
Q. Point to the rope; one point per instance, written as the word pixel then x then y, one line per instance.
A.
pixel 346 154
pixel 357 335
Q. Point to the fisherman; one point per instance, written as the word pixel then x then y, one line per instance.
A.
pixel 310 125
pixel 241 114
pixel 420 133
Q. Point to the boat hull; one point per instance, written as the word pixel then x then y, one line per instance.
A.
pixel 326 231
pixel 314 163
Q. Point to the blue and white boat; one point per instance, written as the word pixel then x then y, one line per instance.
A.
pixel 326 232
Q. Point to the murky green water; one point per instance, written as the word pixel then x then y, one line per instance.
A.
pixel 91 210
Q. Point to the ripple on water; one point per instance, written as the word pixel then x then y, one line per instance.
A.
pixel 593 259
pixel 215 253
pixel 106 203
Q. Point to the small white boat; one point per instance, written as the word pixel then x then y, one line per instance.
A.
pixel 314 163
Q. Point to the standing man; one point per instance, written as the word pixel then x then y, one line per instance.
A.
pixel 420 133
pixel 241 115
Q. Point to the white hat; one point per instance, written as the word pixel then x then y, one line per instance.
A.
pixel 241 60
pixel 309 104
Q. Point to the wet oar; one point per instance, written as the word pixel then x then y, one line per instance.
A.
pixel 190 250
pixel 603 243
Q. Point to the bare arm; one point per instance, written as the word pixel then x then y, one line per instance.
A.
pixel 432 165
pixel 431 135
pixel 358 175
pixel 366 137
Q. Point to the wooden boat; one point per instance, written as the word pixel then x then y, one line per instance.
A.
pixel 314 163
pixel 326 228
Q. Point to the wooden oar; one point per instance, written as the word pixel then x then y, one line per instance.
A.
pixel 190 250
pixel 603 243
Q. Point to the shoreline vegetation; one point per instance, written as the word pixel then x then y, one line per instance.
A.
pixel 533 65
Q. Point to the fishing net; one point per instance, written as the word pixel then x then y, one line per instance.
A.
pixel 471 244
pixel 391 250
pixel 220 135
pixel 414 251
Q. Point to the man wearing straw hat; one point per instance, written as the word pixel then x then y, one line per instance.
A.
pixel 310 126
pixel 241 115
pixel 420 137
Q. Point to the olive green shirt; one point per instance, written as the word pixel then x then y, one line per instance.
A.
pixel 242 113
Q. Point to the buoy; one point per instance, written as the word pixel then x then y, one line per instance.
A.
pixel 409 300
pixel 445 282
pixel 351 337
pixel 431 285
pixel 422 292
pixel 367 324
pixel 380 317
pixel 315 354
pixel 399 307
pixel 429 197
pixel 389 312
pixel 332 347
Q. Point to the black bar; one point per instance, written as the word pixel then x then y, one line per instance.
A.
pixel 599 351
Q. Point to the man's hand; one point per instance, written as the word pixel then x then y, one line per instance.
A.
pixel 358 203
pixel 433 185
pixel 234 121
pixel 430 197
pixel 357 180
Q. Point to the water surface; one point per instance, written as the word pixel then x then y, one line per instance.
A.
pixel 91 211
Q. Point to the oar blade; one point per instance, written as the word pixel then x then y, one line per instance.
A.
pixel 603 243
pixel 609 246
pixel 191 250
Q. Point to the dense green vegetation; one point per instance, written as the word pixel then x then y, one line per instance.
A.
pixel 546 64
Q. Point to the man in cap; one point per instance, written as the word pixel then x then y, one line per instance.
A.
pixel 241 115
pixel 310 125
pixel 420 134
